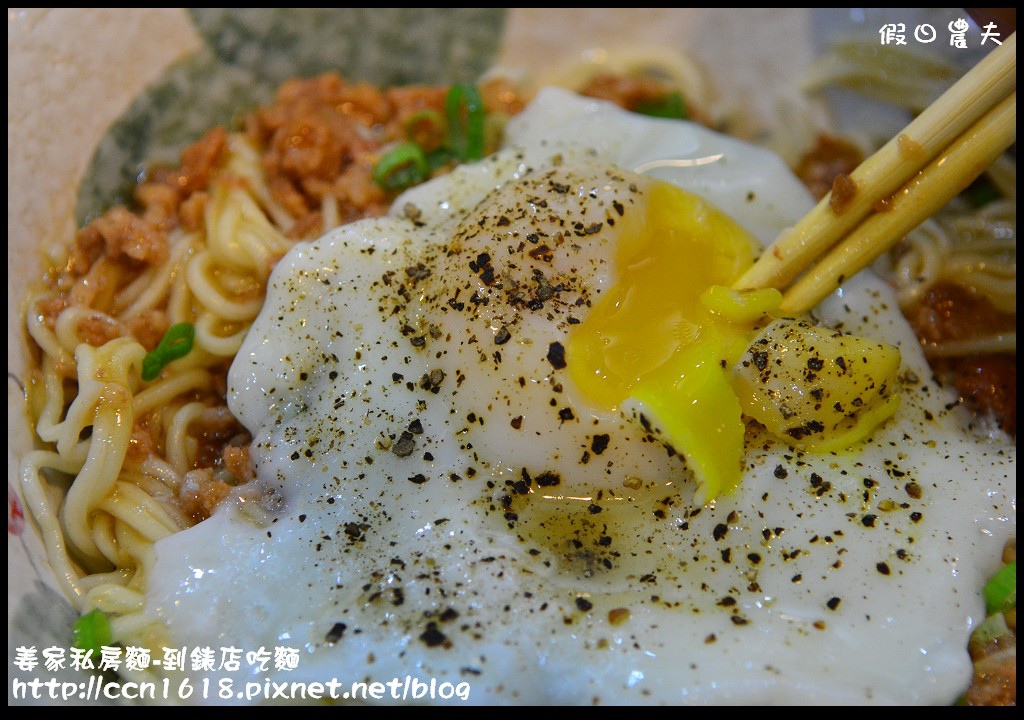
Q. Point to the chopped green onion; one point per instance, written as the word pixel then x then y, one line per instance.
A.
pixel 402 167
pixel 414 161
pixel 426 128
pixel 176 343
pixel 1001 590
pixel 91 632
pixel 671 106
pixel 440 157
pixel 465 111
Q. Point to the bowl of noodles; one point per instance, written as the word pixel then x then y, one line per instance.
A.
pixel 298 305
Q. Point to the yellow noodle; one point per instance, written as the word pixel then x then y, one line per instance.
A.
pixel 238 230
pixel 42 508
pixel 151 288
pixel 180 447
pixel 46 339
pixel 133 507
pixel 161 393
pixel 68 325
pixel 99 510
pixel 113 598
pixel 89 584
pixel 96 287
pixel 244 161
pixel 210 339
pixel 974 249
pixel 202 281
pixel 51 406
pixel 104 533
pixel 109 400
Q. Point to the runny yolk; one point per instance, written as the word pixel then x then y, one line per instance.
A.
pixel 659 343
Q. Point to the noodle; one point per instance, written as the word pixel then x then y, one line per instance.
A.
pixel 100 535
pixel 976 250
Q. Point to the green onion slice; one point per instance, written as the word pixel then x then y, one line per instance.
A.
pixel 92 631
pixel 671 106
pixel 428 124
pixel 464 109
pixel 440 157
pixel 176 343
pixel 401 167
pixel 1001 590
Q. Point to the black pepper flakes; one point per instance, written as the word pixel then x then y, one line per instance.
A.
pixel 584 605
pixel 503 336
pixel 405 445
pixel 833 603
pixel 432 637
pixel 449 614
pixel 556 355
pixel 760 360
pixel 335 633
pixel 549 479
pixel 542 252
pixel 418 272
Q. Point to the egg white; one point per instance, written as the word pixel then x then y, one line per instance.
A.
pixel 821 580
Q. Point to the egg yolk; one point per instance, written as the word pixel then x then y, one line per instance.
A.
pixel 660 341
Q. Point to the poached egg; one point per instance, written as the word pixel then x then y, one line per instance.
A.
pixel 444 495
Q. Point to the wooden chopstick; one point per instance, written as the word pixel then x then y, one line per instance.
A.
pixel 911 177
pixel 924 195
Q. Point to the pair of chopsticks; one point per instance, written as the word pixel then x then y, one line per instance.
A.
pixel 915 174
